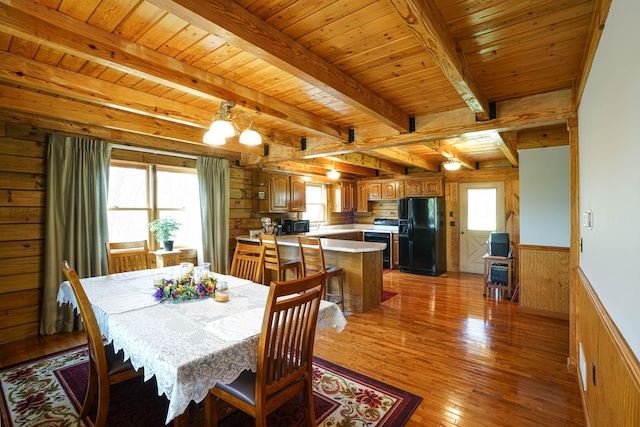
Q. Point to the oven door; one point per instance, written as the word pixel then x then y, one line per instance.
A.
pixel 371 236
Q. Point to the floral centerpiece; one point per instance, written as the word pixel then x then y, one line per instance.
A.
pixel 174 290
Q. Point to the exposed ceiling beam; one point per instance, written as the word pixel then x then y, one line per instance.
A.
pixel 115 135
pixel 598 19
pixel 244 30
pixel 340 166
pixel 508 144
pixel 408 158
pixel 64 33
pixel 64 109
pixel 367 161
pixel 450 152
pixel 426 24
pixel 551 108
pixel 305 169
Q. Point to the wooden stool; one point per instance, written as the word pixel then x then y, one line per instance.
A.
pixel 312 259
pixel 272 260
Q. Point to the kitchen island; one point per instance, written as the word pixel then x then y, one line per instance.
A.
pixel 361 262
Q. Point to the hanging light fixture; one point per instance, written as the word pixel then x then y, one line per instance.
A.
pixel 452 164
pixel 333 174
pixel 225 124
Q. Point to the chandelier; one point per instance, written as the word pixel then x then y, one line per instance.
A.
pixel 225 124
pixel 452 164
pixel 333 174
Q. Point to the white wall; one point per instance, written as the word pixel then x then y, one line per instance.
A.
pixel 609 146
pixel 545 197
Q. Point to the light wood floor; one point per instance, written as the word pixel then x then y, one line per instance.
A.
pixel 475 361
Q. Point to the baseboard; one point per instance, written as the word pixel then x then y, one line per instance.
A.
pixel 544 313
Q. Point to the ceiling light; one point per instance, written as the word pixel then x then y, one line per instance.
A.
pixel 333 174
pixel 225 124
pixel 452 164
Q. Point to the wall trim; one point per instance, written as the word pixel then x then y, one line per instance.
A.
pixel 544 248
pixel 631 363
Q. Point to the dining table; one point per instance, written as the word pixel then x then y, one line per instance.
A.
pixel 187 346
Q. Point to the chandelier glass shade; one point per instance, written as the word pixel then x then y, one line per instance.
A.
pixel 333 174
pixel 452 165
pixel 225 124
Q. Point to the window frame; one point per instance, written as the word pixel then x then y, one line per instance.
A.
pixel 152 209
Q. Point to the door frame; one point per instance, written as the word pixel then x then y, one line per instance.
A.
pixel 500 218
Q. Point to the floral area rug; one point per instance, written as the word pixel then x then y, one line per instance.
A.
pixel 49 392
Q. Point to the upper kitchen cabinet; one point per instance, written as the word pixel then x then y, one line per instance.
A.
pixel 278 192
pixel 348 196
pixel 362 197
pixel 298 196
pixel 423 187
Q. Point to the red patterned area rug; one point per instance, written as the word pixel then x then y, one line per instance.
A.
pixel 49 392
pixel 387 295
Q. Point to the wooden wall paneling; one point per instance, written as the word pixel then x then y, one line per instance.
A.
pixel 544 280
pixel 452 232
pixel 618 395
pixel 587 335
pixel 22 205
pixel 612 396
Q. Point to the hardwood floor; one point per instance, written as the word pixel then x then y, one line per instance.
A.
pixel 475 361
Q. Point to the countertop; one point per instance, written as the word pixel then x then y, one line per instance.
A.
pixel 335 245
pixel 350 228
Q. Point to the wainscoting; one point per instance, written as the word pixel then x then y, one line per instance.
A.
pixel 608 371
pixel 544 280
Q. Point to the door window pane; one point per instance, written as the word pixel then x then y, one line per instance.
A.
pixel 481 209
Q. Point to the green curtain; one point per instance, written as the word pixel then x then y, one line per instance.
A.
pixel 75 220
pixel 213 182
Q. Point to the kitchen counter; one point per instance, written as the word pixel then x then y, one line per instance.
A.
pixel 361 262
pixel 332 245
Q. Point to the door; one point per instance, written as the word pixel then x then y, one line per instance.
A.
pixel 482 210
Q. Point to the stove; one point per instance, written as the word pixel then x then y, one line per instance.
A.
pixel 382 237
pixel 385 221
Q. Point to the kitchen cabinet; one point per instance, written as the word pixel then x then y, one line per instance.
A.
pixel 279 196
pixel 388 190
pixel 375 190
pixel 413 188
pixel 348 196
pixel 298 197
pixel 278 192
pixel 362 197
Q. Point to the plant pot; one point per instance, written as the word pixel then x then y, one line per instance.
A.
pixel 168 245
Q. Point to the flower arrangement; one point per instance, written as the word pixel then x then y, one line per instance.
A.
pixel 175 291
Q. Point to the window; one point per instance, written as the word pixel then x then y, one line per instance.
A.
pixel 134 202
pixel 481 209
pixel 316 203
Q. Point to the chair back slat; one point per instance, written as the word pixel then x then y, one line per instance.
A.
pixel 247 262
pixel 271 253
pixel 286 342
pixel 311 255
pixel 128 256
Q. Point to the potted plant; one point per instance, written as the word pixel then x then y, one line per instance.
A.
pixel 164 231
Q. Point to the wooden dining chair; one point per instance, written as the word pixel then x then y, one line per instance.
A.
pixel 247 262
pixel 105 366
pixel 272 260
pixel 285 352
pixel 128 256
pixel 312 261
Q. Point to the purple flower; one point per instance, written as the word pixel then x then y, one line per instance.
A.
pixel 159 294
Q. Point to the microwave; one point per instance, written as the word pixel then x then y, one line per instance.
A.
pixel 295 226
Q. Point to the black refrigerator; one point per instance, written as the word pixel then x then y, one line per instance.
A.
pixel 422 242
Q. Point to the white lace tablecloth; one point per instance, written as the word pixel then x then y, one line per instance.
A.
pixel 188 346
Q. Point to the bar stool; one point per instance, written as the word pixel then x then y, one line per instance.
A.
pixel 312 260
pixel 272 260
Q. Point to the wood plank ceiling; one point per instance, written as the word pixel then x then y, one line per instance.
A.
pixel 413 81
